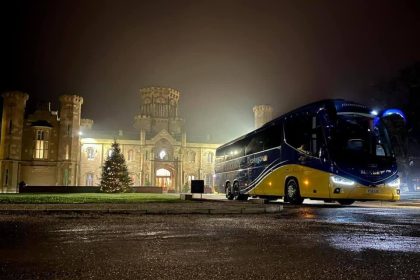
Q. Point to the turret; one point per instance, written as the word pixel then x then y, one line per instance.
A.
pixel 12 124
pixel 262 115
pixel 69 137
pixel 158 111
pixel 11 138
pixel 159 102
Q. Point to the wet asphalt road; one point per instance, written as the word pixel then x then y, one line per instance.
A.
pixel 302 242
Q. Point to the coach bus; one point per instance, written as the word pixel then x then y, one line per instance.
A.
pixel 331 150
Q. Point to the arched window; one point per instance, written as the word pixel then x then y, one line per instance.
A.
pixel 41 144
pixel 210 156
pixel 191 156
pixel 89 179
pixel 190 178
pixel 163 173
pixel 133 179
pixel 90 153
pixel 208 180
pixel 130 155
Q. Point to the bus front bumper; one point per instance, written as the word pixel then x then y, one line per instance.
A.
pixel 361 192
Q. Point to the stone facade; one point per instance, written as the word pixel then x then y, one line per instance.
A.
pixel 61 148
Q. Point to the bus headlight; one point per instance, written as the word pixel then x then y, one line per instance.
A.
pixel 394 183
pixel 341 180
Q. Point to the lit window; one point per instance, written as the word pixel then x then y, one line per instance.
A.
pixel 190 178
pixel 90 153
pixel 67 152
pixel 208 180
pixel 192 156
pixel 210 157
pixel 133 179
pixel 130 155
pixel 89 179
pixel 41 145
pixel 162 154
pixel 163 173
pixel 68 131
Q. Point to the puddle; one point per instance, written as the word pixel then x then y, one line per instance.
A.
pixel 358 243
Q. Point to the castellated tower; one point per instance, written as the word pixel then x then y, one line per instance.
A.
pixel 11 138
pixel 69 139
pixel 262 115
pixel 158 111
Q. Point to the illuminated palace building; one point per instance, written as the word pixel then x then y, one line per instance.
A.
pixel 59 148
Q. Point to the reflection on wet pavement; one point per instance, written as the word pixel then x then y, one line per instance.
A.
pixel 358 243
pixel 341 241
pixel 365 228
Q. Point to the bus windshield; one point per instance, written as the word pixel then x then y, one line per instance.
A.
pixel 359 137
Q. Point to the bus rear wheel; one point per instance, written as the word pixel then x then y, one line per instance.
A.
pixel 236 193
pixel 292 193
pixel 228 191
pixel 346 201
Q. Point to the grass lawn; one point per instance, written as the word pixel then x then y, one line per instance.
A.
pixel 87 198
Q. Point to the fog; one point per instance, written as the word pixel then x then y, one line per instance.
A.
pixel 223 56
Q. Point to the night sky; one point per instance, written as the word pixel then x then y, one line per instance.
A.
pixel 224 56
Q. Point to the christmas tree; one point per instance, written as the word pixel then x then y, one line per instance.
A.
pixel 115 173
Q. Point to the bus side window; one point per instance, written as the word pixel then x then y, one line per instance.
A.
pixel 255 145
pixel 298 132
pixel 273 136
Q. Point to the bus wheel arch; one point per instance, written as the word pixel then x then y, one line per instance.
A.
pixel 292 191
pixel 228 191
pixel 237 193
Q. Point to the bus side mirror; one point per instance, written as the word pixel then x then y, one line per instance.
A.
pixel 395 122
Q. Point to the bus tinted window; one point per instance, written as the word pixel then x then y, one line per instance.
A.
pixel 265 139
pixel 273 136
pixel 355 137
pixel 256 144
pixel 298 131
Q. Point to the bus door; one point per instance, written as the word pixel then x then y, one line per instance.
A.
pixel 315 179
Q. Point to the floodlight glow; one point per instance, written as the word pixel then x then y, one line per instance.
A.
pixel 395 183
pixel 374 112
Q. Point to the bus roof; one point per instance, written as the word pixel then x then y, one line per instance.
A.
pixel 338 105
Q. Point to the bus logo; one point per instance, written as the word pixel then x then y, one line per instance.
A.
pixel 258 160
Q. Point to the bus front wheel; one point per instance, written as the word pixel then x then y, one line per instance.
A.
pixel 228 191
pixel 292 193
